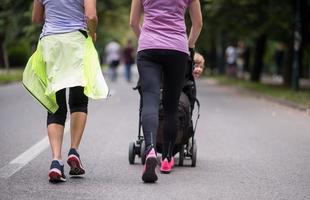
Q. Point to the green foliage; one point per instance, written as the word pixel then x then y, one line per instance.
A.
pixel 229 21
pixel 16 27
pixel 12 15
pixel 19 53
pixel 240 19
pixel 232 20
pixel 12 23
pixel 113 21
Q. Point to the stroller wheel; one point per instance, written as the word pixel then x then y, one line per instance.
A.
pixel 181 156
pixel 194 154
pixel 131 153
pixel 142 152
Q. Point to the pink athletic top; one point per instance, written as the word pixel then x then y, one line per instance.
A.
pixel 164 25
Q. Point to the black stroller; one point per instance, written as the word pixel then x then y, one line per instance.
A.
pixel 185 143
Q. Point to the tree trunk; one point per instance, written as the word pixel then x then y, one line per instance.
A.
pixel 309 67
pixel 258 58
pixel 1 51
pixel 212 62
pixel 304 18
pixel 220 59
pixel 288 63
pixel 4 60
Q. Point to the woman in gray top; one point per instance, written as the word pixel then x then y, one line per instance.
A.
pixel 67 24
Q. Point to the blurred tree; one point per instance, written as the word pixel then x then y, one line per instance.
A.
pixel 255 21
pixel 232 20
pixel 299 11
pixel 225 21
pixel 12 22
pixel 15 24
pixel 113 22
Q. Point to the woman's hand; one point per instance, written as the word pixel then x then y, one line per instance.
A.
pixel 199 65
pixel 91 17
pixel 93 36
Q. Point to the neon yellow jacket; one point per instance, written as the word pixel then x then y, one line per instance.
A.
pixel 35 78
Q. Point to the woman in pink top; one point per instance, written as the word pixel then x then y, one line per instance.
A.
pixel 163 50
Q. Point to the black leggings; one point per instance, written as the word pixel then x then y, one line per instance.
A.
pixel 154 64
pixel 78 102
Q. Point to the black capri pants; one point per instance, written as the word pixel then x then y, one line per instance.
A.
pixel 78 102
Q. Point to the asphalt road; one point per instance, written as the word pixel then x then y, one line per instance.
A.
pixel 248 149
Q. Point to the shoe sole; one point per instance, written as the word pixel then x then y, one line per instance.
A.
pixel 165 171
pixel 55 176
pixel 149 175
pixel 75 166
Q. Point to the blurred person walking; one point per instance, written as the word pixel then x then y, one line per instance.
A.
pixel 65 58
pixel 113 56
pixel 231 59
pixel 240 57
pixel 128 56
pixel 163 50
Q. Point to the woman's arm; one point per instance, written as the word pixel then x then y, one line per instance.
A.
pixel 37 12
pixel 135 14
pixel 91 16
pixel 196 18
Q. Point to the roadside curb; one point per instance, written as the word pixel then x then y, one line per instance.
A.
pixel 262 96
pixel 274 99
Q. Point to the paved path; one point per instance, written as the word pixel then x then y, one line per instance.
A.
pixel 248 149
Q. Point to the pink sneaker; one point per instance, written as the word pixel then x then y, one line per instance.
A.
pixel 165 166
pixel 149 174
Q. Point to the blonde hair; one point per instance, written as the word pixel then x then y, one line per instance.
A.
pixel 199 60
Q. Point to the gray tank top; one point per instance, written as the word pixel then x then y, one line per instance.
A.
pixel 63 16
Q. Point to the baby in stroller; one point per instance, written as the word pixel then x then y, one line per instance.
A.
pixel 185 143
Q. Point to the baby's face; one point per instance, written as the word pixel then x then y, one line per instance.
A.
pixel 199 62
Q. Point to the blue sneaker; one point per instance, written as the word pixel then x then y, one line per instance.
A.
pixel 56 173
pixel 75 163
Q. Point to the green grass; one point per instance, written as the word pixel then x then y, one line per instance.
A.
pixel 301 98
pixel 11 75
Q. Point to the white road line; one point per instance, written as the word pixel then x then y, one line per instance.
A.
pixel 23 159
